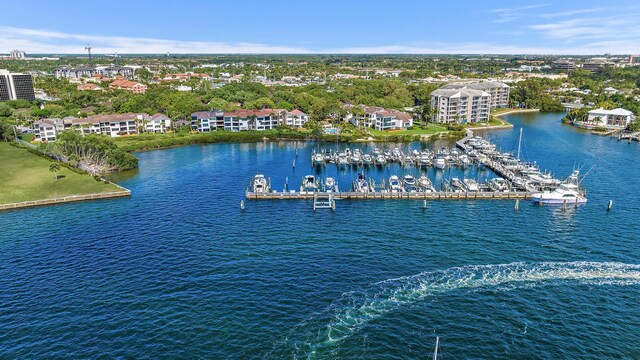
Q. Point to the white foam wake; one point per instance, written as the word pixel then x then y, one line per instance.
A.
pixel 391 294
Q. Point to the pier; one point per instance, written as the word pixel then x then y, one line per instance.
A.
pixel 383 195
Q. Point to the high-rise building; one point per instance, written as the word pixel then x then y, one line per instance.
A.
pixel 461 105
pixel 499 91
pixel 17 54
pixel 563 65
pixel 14 86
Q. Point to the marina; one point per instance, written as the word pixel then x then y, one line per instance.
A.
pixel 513 178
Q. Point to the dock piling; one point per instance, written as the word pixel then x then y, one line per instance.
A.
pixel 516 208
pixel 241 205
pixel 610 205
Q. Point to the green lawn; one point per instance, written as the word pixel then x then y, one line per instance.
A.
pixel 25 176
pixel 430 130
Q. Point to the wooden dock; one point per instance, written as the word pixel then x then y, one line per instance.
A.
pixel 378 195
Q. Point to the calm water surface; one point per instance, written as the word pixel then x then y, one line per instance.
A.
pixel 177 271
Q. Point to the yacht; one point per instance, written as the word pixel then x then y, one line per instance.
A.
pixel 380 160
pixel 425 159
pixel 458 186
pixel 471 185
pixel 441 162
pixel 361 184
pixel 356 157
pixel 409 183
pixel 343 160
pixel 567 193
pixel 367 159
pixel 499 185
pixel 260 184
pixel 318 159
pixel 309 184
pixel 425 185
pixel 330 185
pixel 394 184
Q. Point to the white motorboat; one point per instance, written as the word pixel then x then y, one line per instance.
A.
pixel 318 159
pixel 343 160
pixel 330 185
pixel 394 184
pixel 471 185
pixel 567 193
pixel 380 160
pixel 309 184
pixel 425 184
pixel 409 183
pixel 361 184
pixel 367 159
pixel 441 162
pixel 499 185
pixel 457 184
pixel 260 184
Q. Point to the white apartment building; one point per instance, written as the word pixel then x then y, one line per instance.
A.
pixel 113 125
pixel 499 91
pixel 461 105
pixel 295 118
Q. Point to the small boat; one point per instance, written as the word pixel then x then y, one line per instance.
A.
pixel 343 160
pixel 409 183
pixel 318 159
pixel 440 162
pixel 380 160
pixel 425 184
pixel 425 159
pixel 567 193
pixel 361 184
pixel 367 159
pixel 309 184
pixel 457 184
pixel 499 185
pixel 394 184
pixel 356 157
pixel 330 185
pixel 471 185
pixel 260 184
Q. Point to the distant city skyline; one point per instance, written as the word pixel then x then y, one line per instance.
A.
pixel 293 27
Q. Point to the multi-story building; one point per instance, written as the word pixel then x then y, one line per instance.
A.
pixel 461 105
pixel 295 118
pixel 616 118
pixel 16 86
pixel 127 85
pixel 595 66
pixel 378 118
pixel 113 125
pixel 207 121
pixel 563 65
pixel 89 71
pixel 17 54
pixel 499 91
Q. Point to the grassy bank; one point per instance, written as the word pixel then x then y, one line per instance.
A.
pixel 26 177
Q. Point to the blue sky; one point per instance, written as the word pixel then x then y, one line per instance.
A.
pixel 329 26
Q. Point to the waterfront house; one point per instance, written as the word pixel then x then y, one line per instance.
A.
pixel 616 118
pixel 377 117
pixel 46 130
pixel 158 123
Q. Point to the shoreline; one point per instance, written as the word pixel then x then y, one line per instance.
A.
pixel 66 199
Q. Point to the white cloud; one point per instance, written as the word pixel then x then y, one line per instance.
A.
pixel 571 12
pixel 512 14
pixel 594 39
pixel 42 41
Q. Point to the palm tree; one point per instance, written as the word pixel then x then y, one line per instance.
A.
pixel 54 168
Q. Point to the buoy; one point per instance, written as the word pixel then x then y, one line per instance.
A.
pixel 610 205
pixel 241 205
pixel 564 205
pixel 517 205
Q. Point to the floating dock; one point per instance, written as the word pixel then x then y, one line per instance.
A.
pixel 379 195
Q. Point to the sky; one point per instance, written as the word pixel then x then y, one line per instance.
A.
pixel 569 27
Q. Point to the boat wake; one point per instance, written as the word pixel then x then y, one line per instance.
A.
pixel 355 309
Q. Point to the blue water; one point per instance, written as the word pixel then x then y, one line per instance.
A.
pixel 177 271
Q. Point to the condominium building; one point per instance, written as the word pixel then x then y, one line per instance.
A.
pixel 113 125
pixel 461 105
pixel 242 119
pixel 499 91
pixel 76 72
pixel 16 86
pixel 563 65
pixel 378 118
